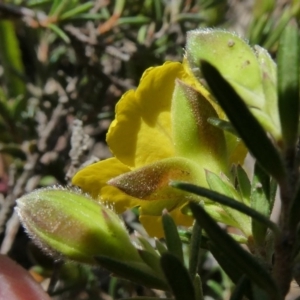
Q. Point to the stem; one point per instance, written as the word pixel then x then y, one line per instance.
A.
pixel 285 242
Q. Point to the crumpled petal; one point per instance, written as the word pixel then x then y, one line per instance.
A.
pixel 141 131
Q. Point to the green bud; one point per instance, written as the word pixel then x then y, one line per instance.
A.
pixel 251 73
pixel 68 222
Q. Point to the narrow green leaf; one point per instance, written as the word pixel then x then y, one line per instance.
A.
pixel 59 7
pixel 288 61
pixel 119 6
pixel 55 4
pixel 257 29
pixel 59 32
pixel 195 250
pixel 89 16
pixel 244 260
pixel 245 123
pixel 11 59
pixel 37 3
pixel 241 288
pixel 216 287
pixel 137 20
pixel 76 11
pixel 161 248
pixel 158 8
pixel 153 261
pixel 129 272
pixel 260 201
pixel 198 288
pixel 224 125
pixel 217 197
pixel 177 277
pixel 173 241
pixel 244 185
pixel 275 33
pixel 230 267
pixel 147 246
pixel 261 7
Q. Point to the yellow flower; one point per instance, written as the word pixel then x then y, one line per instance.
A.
pixel 160 133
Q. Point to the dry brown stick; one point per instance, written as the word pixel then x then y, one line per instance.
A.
pixel 23 183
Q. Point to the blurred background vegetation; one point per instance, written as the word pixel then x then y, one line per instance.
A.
pixel 63 66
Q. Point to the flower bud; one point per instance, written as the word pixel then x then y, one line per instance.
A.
pixel 66 221
pixel 251 73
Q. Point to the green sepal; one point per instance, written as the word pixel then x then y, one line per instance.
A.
pixel 261 202
pixel 129 272
pixel 269 82
pixel 243 259
pixel 217 197
pixel 214 209
pixel 224 187
pixel 173 241
pixel 177 277
pixel 233 58
pixel 237 62
pixel 288 60
pixel 245 123
pixel 193 137
pixel 194 252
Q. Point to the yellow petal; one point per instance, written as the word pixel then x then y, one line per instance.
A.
pixel 93 178
pixel 153 224
pixel 141 131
